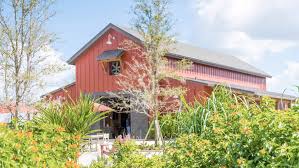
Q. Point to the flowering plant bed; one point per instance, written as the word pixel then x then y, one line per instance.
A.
pixel 46 146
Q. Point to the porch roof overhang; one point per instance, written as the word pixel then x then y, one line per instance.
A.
pixel 101 108
pixel 247 90
pixel 110 55
pixel 114 94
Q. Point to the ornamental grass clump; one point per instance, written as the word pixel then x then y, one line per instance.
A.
pixel 231 131
pixel 76 117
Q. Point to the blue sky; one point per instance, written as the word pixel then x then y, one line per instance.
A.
pixel 263 33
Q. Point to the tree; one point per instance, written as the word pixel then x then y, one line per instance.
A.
pixel 23 47
pixel 145 82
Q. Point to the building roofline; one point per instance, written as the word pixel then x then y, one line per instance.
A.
pixel 248 90
pixel 95 38
pixel 61 88
pixel 138 40
pixel 218 66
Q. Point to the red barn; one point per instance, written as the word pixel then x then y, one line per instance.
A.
pixel 208 69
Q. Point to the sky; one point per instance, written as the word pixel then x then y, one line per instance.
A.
pixel 264 33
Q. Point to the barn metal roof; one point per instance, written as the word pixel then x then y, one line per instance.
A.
pixel 110 54
pixel 248 90
pixel 184 50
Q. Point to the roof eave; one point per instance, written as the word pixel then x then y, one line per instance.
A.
pixel 218 66
pixel 96 37
pixel 56 90
pixel 247 90
pixel 110 25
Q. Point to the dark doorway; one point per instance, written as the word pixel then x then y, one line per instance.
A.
pixel 120 124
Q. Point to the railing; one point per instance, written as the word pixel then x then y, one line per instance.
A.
pixel 92 142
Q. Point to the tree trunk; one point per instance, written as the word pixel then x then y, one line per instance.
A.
pixel 158 134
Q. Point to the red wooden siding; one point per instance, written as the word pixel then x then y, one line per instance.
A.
pixel 92 77
pixel 90 74
pixel 64 93
pixel 204 72
pixel 197 91
pixel 194 90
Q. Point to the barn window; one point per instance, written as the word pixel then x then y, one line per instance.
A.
pixel 114 67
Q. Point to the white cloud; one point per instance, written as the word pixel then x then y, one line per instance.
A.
pixel 44 84
pixel 228 13
pixel 64 77
pixel 263 18
pixel 251 29
pixel 250 49
pixel 261 32
pixel 287 79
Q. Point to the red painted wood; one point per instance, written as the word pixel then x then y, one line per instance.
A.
pixel 66 93
pixel 209 73
pixel 91 76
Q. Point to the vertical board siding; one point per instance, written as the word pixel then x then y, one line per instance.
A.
pixel 91 76
pixel 205 72
pixel 66 93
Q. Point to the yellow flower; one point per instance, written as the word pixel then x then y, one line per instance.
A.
pixel 234 113
pixel 189 154
pixel 217 130
pixel 262 151
pixel 59 140
pixel 241 161
pixel 71 164
pixel 60 129
pixel 77 137
pixel 33 142
pixel 34 149
pixel 246 130
pixel 29 134
pixel 37 159
pixel 244 122
pixel 47 146
pixel 18 146
pixel 20 134
pixel 73 146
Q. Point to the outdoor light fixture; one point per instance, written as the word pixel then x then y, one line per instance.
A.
pixel 110 38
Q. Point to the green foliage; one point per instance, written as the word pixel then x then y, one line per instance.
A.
pixel 295 106
pixel 38 146
pixel 101 163
pixel 228 131
pixel 194 118
pixel 267 104
pixel 75 117
pixel 127 154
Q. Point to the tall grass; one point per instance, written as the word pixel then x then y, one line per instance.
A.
pixel 194 117
pixel 75 117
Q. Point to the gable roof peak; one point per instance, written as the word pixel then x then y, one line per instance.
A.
pixel 183 50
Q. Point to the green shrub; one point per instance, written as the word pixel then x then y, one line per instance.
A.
pixel 76 117
pixel 126 154
pixel 194 118
pixel 42 146
pixel 228 131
